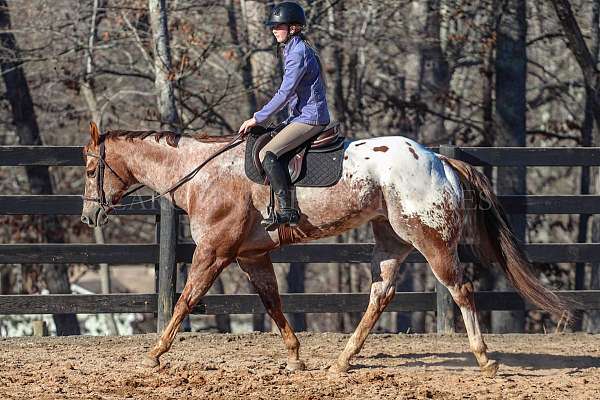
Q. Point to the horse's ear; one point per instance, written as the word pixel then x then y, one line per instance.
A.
pixel 94 133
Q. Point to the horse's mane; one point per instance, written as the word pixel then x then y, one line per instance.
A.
pixel 172 138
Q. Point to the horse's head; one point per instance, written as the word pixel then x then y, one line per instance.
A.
pixel 106 179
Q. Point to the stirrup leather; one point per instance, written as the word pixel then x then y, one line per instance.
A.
pixel 281 188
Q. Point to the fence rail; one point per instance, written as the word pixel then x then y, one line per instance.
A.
pixel 168 251
pixel 306 253
pixel 251 303
pixel 494 156
pixel 72 204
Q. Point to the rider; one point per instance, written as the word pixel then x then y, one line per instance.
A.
pixel 303 90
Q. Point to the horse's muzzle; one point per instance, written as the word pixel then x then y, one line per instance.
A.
pixel 94 216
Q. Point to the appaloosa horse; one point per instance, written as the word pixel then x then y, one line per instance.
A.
pixel 413 198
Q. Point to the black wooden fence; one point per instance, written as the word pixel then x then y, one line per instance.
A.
pixel 169 251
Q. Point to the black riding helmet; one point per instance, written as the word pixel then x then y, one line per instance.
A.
pixel 287 13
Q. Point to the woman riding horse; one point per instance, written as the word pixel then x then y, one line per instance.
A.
pixel 303 90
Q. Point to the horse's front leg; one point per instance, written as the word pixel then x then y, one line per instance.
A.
pixel 261 274
pixel 206 266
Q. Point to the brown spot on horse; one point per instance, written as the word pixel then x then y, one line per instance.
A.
pixel 382 149
pixel 414 153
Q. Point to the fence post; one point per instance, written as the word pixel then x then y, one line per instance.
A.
pixel 167 264
pixel 40 328
pixel 445 304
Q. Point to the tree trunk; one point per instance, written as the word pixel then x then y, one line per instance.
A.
pixel 239 35
pixel 167 109
pixel 163 72
pixel 582 54
pixel 511 74
pixel 587 62
pixel 433 81
pixel 262 62
pixel 587 139
pixel 333 64
pixel 88 93
pixel 591 320
pixel 434 78
pixel 24 119
pixel 484 274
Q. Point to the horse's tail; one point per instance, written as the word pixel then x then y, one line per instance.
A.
pixel 487 222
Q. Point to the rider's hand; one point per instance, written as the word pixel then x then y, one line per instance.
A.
pixel 245 128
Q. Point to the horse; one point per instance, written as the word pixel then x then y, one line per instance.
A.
pixel 412 197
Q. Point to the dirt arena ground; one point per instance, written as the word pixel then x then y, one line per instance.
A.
pixel 251 366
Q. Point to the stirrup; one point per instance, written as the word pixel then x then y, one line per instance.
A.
pixel 289 216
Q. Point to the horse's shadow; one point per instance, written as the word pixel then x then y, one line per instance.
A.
pixel 529 361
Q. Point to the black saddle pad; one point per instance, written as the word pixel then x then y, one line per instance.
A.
pixel 319 168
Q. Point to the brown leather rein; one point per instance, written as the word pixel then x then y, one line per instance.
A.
pixel 102 165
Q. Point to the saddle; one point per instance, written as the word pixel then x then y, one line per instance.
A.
pixel 315 163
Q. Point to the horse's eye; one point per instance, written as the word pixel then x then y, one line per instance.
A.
pixel 91 173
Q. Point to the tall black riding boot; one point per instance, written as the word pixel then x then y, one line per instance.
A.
pixel 282 188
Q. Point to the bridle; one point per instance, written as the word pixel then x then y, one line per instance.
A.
pixel 100 168
pixel 102 165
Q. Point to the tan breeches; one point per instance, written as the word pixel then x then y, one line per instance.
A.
pixel 289 138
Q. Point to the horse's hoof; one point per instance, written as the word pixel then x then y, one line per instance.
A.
pixel 150 362
pixel 295 365
pixel 490 369
pixel 336 368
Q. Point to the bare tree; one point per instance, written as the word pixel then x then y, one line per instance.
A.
pixel 434 78
pixel 163 78
pixel 587 59
pixel 239 35
pixel 580 50
pixel 589 138
pixel 163 66
pixel 26 126
pixel 89 95
pixel 510 108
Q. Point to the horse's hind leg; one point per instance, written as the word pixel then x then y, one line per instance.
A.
pixel 448 270
pixel 206 266
pixel 261 274
pixel 388 254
